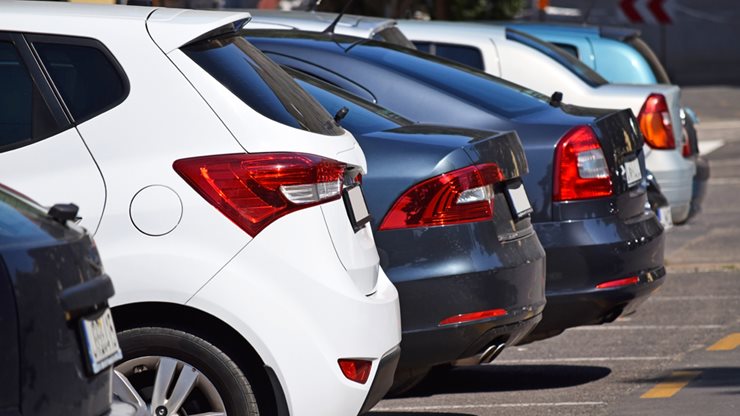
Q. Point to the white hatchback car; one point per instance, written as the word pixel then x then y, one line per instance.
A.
pixel 525 60
pixel 225 202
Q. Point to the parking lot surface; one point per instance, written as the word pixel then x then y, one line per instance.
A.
pixel 678 355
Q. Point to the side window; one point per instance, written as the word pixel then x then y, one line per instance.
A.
pixel 24 116
pixel 83 73
pixel 466 55
pixel 571 49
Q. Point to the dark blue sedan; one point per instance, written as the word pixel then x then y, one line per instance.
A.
pixel 452 225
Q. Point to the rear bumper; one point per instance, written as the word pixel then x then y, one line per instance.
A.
pixel 700 185
pixel 458 270
pixel 595 306
pixel 383 379
pixel 675 175
pixel 583 254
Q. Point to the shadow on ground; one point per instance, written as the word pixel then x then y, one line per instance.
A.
pixel 502 378
pixel 416 414
pixel 709 377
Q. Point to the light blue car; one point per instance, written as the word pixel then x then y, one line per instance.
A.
pixel 621 56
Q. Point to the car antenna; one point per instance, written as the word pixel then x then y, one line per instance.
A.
pixel 312 5
pixel 556 99
pixel 333 25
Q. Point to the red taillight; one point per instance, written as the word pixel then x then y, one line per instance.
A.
pixel 686 148
pixel 253 190
pixel 655 123
pixel 356 370
pixel 619 283
pixel 460 196
pixel 473 316
pixel 581 171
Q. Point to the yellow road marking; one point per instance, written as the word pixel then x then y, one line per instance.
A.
pixel 674 384
pixel 727 343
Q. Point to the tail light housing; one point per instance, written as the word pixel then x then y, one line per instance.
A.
pixel 627 281
pixel 253 190
pixel 686 150
pixel 473 316
pixel 461 196
pixel 655 123
pixel 581 171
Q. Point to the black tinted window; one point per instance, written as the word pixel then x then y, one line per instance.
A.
pixel 24 116
pixel 565 59
pixel 260 83
pixel 466 55
pixel 85 77
pixel 568 48
pixel 363 116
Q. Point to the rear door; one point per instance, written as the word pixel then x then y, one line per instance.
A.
pixel 41 152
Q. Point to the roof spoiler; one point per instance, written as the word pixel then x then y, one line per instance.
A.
pixel 173 28
pixel 618 33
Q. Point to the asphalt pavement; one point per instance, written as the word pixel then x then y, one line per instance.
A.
pixel 679 354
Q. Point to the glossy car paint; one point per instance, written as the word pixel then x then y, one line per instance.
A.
pixel 42 351
pixel 620 56
pixel 611 237
pixel 444 271
pixel 304 292
pixel 368 27
pixel 524 65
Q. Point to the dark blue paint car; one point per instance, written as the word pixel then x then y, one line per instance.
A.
pixel 586 175
pixel 57 341
pixel 468 266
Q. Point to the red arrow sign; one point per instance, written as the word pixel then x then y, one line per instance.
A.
pixel 628 8
pixel 655 8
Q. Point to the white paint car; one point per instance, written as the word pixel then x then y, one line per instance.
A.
pixel 224 200
pixel 368 27
pixel 524 60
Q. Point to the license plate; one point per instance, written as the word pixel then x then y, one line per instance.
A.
pixel 632 172
pixel 665 217
pixel 518 200
pixel 356 207
pixel 101 342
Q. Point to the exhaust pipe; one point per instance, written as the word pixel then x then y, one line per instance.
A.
pixel 488 355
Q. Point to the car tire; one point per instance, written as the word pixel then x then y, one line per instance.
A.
pixel 164 359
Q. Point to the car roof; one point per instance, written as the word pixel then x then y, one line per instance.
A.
pixel 611 32
pixel 170 28
pixel 456 29
pixel 361 26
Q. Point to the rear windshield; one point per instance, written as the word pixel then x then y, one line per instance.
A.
pixel 565 59
pixel 394 35
pixel 495 94
pixel 363 116
pixel 260 83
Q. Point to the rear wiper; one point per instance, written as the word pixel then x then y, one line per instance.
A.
pixel 556 99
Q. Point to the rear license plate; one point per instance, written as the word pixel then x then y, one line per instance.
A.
pixel 632 172
pixel 356 207
pixel 101 342
pixel 518 200
pixel 665 217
